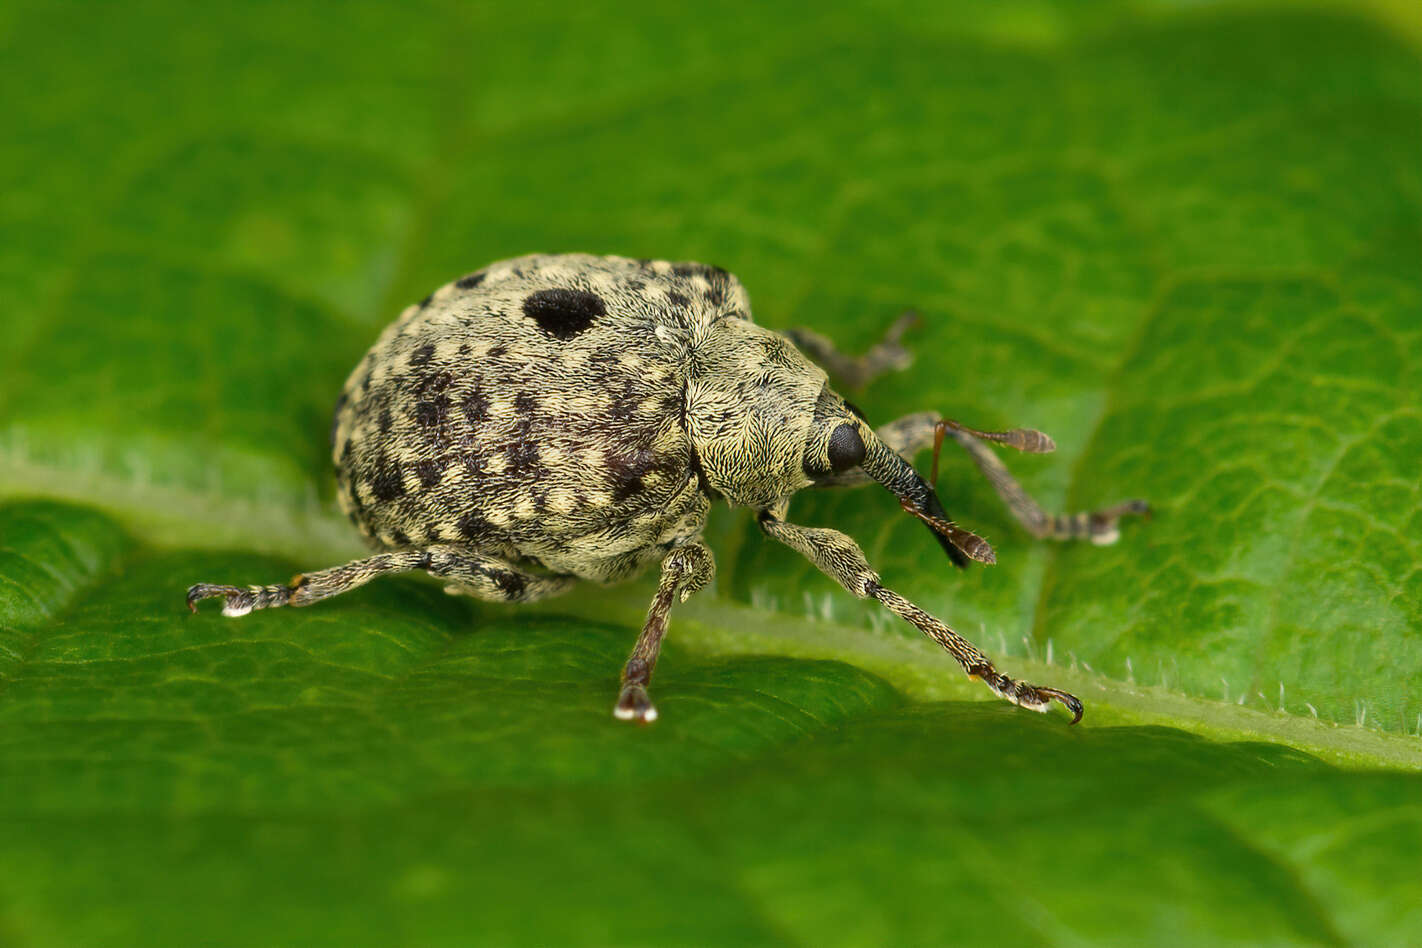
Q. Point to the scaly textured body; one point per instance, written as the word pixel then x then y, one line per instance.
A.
pixel 535 410
pixel 561 417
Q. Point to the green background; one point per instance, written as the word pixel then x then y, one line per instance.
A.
pixel 1184 239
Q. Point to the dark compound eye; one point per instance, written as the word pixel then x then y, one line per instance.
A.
pixel 846 448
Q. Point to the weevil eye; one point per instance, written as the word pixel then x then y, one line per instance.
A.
pixel 846 448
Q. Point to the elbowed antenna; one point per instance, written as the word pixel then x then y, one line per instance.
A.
pixel 918 497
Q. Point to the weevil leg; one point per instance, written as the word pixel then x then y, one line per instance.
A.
pixel 887 355
pixel 1101 527
pixel 468 571
pixel 839 557
pixel 909 435
pixel 684 570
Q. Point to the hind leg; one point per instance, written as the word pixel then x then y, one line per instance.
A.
pixel 684 570
pixel 468 571
pixel 887 355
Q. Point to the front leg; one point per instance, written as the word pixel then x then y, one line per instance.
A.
pixel 840 558
pixel 684 570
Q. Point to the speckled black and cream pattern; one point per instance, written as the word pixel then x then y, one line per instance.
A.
pixel 537 409
pixel 559 417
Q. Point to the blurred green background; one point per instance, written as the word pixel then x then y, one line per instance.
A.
pixel 1183 238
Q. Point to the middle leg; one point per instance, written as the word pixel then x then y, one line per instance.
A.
pixel 684 570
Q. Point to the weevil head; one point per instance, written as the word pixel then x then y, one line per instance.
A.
pixel 765 423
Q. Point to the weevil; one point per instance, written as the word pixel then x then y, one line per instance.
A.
pixel 563 417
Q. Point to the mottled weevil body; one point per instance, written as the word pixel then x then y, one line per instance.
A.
pixel 559 417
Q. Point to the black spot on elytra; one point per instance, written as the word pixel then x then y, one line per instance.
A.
pixel 525 403
pixel 431 412
pixel 475 407
pixel 510 584
pixel 622 410
pixel 399 538
pixel 429 471
pixel 522 452
pixel 426 301
pixel 423 355
pixel 627 489
pixel 433 383
pixel 625 403
pixel 718 283
pixel 389 480
pixel 677 299
pixel 470 281
pixel 564 313
pixel 473 462
pixel 471 526
pixel 626 470
pixel 386 422
pixel 498 351
pixel 708 272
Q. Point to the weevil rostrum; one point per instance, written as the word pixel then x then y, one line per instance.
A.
pixel 564 417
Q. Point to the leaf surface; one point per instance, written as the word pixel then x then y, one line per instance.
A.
pixel 1182 241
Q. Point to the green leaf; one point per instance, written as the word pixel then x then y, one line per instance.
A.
pixel 1181 239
